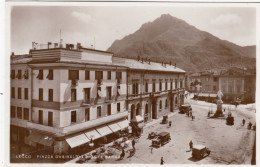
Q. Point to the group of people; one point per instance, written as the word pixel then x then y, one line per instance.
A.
pixel 122 155
pixel 189 114
pixel 249 123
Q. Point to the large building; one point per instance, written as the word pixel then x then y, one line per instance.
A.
pixel 63 98
pixel 233 82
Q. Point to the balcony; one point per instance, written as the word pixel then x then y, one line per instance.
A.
pixel 108 99
pixel 86 102
pixel 99 82
pixel 74 83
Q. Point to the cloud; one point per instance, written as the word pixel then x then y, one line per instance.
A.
pixel 226 21
pixel 82 16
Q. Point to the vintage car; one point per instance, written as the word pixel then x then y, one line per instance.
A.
pixel 200 151
pixel 184 108
pixel 161 139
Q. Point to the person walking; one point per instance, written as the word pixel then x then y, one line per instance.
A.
pixel 191 145
pixel 243 122
pixel 162 161
pixel 122 154
pixel 133 144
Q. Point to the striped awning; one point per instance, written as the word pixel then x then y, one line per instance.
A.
pixel 104 130
pixel 93 134
pixel 77 140
pixel 114 127
pixel 123 124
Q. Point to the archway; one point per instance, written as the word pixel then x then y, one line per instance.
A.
pixel 171 104
pixel 176 101
pixel 154 106
pixel 132 111
pixel 138 112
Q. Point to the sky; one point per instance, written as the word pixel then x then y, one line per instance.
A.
pixel 101 25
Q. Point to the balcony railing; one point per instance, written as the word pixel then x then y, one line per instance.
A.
pixel 74 83
pixel 86 102
pixel 99 82
pixel 108 99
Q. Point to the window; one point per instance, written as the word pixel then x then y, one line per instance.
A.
pixel 40 75
pixel 87 116
pixel 99 92
pixel 19 113
pixel 13 111
pixel 154 88
pixel 133 88
pixel 87 95
pixel 109 97
pixel 146 86
pixel 26 93
pixel 50 75
pixel 171 85
pixel 166 103
pixel 99 75
pixel 109 75
pixel 19 74
pixel 87 75
pixel 26 74
pixel 73 74
pixel 73 94
pixel 40 94
pixel 51 95
pixel 13 74
pixel 160 104
pixel 19 93
pixel 160 86
pixel 98 111
pixel 40 117
pixel 181 86
pixel 109 109
pixel 118 75
pixel 118 107
pixel 166 85
pixel 215 79
pixel 50 118
pixel 13 92
pixel 176 84
pixel 26 113
pixel 207 79
pixel 214 88
pixel 73 116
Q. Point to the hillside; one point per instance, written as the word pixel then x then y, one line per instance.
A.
pixel 171 39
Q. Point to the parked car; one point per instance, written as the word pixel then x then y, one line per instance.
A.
pixel 200 151
pixel 161 139
pixel 184 108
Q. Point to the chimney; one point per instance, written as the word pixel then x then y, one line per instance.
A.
pixel 162 63
pixel 138 57
pixel 12 54
pixel 146 59
pixel 174 65
pixel 142 60
pixel 149 61
pixel 49 43
pixel 78 46
pixel 170 63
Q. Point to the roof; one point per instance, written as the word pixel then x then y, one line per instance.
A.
pixel 163 133
pixel 198 147
pixel 153 66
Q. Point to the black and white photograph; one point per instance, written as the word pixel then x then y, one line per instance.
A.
pixel 132 83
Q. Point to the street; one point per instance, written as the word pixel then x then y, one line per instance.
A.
pixel 228 144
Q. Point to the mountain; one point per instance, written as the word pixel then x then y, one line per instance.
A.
pixel 170 39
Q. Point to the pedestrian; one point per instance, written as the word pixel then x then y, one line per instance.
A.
pixel 244 121
pixel 208 114
pixel 122 154
pixel 170 123
pixel 191 145
pixel 162 161
pixel 192 118
pixel 191 114
pixel 249 125
pixel 133 144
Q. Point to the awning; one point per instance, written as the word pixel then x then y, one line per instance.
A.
pixel 104 130
pixel 123 124
pixel 41 139
pixel 77 140
pixel 93 134
pixel 114 127
pixel 139 118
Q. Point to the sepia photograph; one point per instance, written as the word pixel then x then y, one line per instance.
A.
pixel 132 83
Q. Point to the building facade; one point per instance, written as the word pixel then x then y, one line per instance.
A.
pixel 63 98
